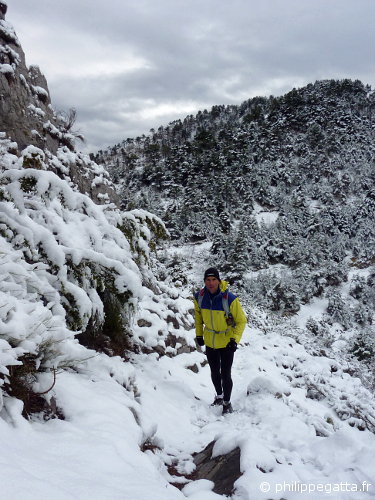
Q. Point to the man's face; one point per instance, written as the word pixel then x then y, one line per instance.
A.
pixel 212 284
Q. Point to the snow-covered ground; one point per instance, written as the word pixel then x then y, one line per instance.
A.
pixel 263 216
pixel 292 441
pixel 302 421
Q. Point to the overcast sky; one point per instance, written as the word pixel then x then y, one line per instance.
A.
pixel 131 65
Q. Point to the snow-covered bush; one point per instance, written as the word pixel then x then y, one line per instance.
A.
pixel 363 345
pixel 277 291
pixel 71 271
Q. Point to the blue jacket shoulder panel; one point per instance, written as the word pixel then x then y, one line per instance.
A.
pixel 216 303
pixel 231 297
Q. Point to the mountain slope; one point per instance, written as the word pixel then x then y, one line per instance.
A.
pixel 205 173
pixel 283 190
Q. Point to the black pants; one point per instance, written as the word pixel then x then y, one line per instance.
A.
pixel 220 361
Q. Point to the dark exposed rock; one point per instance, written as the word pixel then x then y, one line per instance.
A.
pixel 185 348
pixel 144 322
pixel 223 470
pixel 25 104
pixel 159 349
pixel 3 10
pixel 174 321
pixel 179 343
pixel 194 368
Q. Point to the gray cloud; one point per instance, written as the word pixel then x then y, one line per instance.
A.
pixel 128 66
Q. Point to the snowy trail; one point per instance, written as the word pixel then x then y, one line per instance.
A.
pixel 112 409
pixel 287 440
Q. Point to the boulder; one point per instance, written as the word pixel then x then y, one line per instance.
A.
pixel 223 470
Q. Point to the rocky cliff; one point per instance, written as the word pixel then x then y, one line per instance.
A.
pixel 28 118
pixel 26 112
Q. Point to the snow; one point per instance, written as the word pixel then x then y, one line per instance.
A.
pixel 200 489
pixel 40 91
pixel 8 32
pixel 93 454
pixel 315 206
pixel 263 216
pixel 112 407
pixel 130 429
pixel 36 111
pixel 6 69
pixel 56 243
pixel 315 309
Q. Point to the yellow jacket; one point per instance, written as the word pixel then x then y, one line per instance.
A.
pixel 210 321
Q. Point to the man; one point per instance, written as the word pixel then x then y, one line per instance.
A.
pixel 219 324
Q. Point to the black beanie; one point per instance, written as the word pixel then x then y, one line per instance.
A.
pixel 212 271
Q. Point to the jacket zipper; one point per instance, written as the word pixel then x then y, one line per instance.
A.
pixel 212 324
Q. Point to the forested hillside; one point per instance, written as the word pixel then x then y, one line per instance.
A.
pixel 284 190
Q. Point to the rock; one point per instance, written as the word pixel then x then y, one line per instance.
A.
pixel 194 368
pixel 223 470
pixel 28 118
pixel 174 321
pixel 143 323
pixel 25 105
pixel 3 10
pixel 185 349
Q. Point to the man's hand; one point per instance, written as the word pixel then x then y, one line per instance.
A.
pixel 200 341
pixel 232 345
